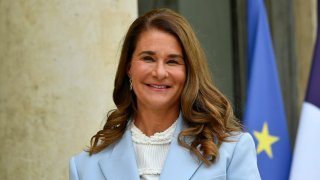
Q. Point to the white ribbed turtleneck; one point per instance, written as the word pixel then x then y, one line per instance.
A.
pixel 151 152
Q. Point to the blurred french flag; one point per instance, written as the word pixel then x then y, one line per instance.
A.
pixel 306 159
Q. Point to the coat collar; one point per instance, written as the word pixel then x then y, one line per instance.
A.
pixel 121 164
pixel 180 162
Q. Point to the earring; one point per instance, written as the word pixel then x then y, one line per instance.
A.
pixel 130 81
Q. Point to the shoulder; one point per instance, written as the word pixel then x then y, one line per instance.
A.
pixel 237 140
pixel 237 144
pixel 84 158
pixel 240 156
pixel 236 160
pixel 87 166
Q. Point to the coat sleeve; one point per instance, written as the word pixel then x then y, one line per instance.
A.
pixel 243 164
pixel 73 173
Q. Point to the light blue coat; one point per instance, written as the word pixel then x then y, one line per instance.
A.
pixel 236 161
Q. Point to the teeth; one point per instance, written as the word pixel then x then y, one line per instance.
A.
pixel 159 87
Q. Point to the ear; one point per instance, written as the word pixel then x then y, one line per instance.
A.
pixel 129 70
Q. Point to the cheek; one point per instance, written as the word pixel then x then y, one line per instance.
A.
pixel 181 78
pixel 134 69
pixel 183 75
pixel 138 71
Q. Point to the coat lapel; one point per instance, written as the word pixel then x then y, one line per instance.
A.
pixel 180 163
pixel 121 164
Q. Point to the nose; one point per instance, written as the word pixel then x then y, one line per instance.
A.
pixel 160 71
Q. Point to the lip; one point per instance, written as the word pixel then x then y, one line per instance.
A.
pixel 158 86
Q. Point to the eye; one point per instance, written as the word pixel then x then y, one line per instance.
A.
pixel 172 62
pixel 148 59
pixel 176 61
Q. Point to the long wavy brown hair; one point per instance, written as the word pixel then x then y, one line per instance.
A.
pixel 205 109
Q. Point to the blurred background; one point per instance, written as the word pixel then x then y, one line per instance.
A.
pixel 58 60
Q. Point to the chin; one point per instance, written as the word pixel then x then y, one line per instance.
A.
pixel 161 105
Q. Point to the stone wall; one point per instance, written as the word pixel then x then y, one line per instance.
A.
pixel 57 64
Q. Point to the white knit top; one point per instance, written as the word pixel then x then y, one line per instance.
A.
pixel 151 152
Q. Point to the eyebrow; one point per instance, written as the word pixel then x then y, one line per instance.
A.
pixel 153 53
pixel 147 52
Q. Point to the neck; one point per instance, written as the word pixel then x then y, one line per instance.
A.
pixel 152 121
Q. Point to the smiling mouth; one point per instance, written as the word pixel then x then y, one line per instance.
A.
pixel 158 86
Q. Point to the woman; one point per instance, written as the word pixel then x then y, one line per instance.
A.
pixel 170 121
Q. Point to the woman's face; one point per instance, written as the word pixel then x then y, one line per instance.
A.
pixel 157 70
